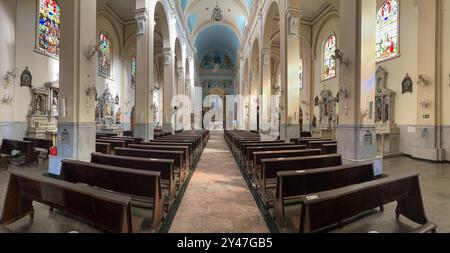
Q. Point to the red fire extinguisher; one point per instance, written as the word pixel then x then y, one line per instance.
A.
pixel 53 151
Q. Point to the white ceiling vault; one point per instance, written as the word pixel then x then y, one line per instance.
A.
pixel 225 34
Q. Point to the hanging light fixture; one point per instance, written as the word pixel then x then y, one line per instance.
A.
pixel 217 13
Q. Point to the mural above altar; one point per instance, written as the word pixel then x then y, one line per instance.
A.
pixel 216 59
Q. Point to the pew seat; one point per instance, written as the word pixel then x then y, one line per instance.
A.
pixel 324 209
pixel 103 210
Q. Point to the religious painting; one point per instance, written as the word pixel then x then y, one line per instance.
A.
pixel 216 59
pixel 329 64
pixel 105 56
pixel 387 28
pixel 26 78
pixel 133 72
pixel 407 85
pixel 49 28
pixel 224 84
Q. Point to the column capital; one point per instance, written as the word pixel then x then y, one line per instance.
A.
pixel 267 56
pixel 141 16
pixel 167 52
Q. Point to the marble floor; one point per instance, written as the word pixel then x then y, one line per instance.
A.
pixel 218 200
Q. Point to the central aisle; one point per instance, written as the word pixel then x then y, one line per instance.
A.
pixel 217 199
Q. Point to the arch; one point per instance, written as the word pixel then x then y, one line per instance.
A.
pixel 161 22
pixel 115 30
pixel 207 24
pixel 270 31
pixel 324 22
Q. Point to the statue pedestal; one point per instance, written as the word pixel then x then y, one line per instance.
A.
pixel 388 143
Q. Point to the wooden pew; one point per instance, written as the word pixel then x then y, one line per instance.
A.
pixel 244 146
pixel 180 168
pixel 114 143
pixel 261 155
pixel 142 186
pixel 41 144
pixel 323 209
pixel 184 149
pixel 190 144
pixel 28 155
pixel 164 166
pixel 319 144
pixel 291 185
pixel 104 148
pixel 126 142
pixel 250 150
pixel 5 230
pixel 328 149
pixel 104 210
pixel 270 168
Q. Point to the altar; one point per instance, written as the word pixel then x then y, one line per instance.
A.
pixel 108 116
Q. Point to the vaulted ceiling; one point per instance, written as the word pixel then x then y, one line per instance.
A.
pixel 225 34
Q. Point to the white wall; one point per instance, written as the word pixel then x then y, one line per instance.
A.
pixel 43 68
pixel 324 29
pixel 405 104
pixel 7 59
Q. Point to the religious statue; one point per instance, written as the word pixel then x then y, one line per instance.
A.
pixel 378 109
pixel 407 84
pixel 26 78
pixel 55 104
pixel 117 100
pixel 107 109
pixel 119 116
pixel 38 103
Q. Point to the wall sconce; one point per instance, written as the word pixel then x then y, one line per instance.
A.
pixel 305 103
pixel 7 99
pixel 92 50
pixel 92 89
pixel 278 89
pixel 425 104
pixel 10 74
pixel 344 92
pixel 422 80
pixel 338 55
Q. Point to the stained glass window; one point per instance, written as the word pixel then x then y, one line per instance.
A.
pixel 301 73
pixel 387 30
pixel 133 71
pixel 329 64
pixel 49 27
pixel 105 56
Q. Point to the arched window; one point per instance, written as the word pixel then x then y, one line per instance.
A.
pixel 133 71
pixel 49 27
pixel 329 64
pixel 300 78
pixel 105 56
pixel 387 30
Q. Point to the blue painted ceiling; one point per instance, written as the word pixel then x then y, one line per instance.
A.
pixel 217 36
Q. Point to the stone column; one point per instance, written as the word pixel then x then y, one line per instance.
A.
pixel 266 78
pixel 356 133
pixel 169 91
pixel 144 74
pixel 252 100
pixel 289 61
pixel 428 145
pixel 76 125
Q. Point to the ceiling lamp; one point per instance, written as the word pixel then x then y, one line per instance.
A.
pixel 217 13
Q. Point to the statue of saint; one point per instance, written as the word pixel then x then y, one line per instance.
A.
pixel 118 116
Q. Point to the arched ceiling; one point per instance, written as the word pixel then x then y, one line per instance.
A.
pixel 225 34
pixel 217 36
